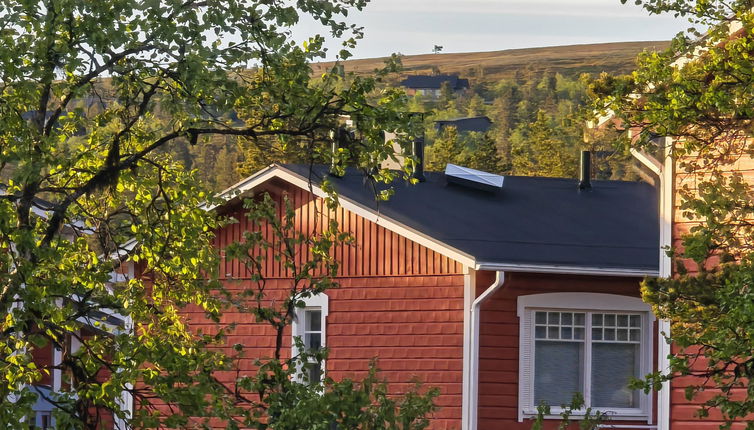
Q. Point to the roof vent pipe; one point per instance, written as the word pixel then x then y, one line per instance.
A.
pixel 334 153
pixel 418 153
pixel 585 173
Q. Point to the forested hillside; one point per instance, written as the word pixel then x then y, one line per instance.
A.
pixel 534 97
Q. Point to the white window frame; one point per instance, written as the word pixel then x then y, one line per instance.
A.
pixel 580 302
pixel 316 302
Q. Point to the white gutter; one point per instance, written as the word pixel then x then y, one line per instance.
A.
pixel 564 270
pixel 471 376
pixel 664 172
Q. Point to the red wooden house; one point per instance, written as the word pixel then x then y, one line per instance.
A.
pixel 502 292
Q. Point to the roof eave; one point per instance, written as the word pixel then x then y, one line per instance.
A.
pixel 567 270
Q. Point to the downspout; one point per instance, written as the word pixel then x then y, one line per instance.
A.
pixel 664 172
pixel 471 394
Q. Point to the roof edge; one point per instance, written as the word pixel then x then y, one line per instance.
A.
pixel 278 171
pixel 564 269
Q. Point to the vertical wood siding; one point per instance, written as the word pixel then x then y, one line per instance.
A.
pixel 375 251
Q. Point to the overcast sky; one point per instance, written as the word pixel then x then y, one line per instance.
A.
pixel 415 26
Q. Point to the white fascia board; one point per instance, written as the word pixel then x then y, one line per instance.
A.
pixel 566 270
pixel 649 161
pixel 364 212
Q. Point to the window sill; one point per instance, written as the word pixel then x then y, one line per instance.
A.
pixel 611 414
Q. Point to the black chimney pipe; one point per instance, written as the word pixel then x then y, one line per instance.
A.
pixel 585 174
pixel 418 151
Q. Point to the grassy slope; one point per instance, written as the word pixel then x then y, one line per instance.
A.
pixel 569 60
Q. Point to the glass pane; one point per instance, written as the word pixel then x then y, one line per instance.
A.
pixel 553 318
pixel 622 320
pixel 596 334
pixel 540 317
pixel 635 321
pixel 579 319
pixel 313 320
pixel 622 334
pixel 635 335
pixel 557 371
pixel 552 333
pixel 566 332
pixel 609 334
pixel 578 333
pixel 609 320
pixel 597 319
pixel 313 341
pixel 613 366
pixel 313 373
pixel 540 332
pixel 566 319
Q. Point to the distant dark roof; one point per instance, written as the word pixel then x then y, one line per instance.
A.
pixel 530 222
pixel 435 82
pixel 473 123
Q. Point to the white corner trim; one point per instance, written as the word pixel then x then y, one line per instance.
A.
pixel 665 172
pixel 471 396
pixel 469 291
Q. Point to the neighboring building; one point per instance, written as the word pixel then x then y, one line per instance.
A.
pixel 478 124
pixel 500 296
pixel 430 86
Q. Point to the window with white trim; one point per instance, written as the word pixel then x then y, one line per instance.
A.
pixel 589 343
pixel 309 325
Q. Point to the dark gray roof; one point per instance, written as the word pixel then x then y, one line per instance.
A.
pixel 435 82
pixel 473 123
pixel 531 221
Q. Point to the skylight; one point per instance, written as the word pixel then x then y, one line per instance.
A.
pixel 473 178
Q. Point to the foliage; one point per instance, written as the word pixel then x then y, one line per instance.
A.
pixel 700 93
pixel 446 149
pixel 587 420
pixel 272 392
pixel 512 104
pixel 99 102
pixel 537 129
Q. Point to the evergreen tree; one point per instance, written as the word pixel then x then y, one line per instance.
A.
pixel 446 149
pixel 545 150
pixel 485 156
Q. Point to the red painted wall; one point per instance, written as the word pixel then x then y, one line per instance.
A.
pixel 683 412
pixel 498 361
pixel 397 301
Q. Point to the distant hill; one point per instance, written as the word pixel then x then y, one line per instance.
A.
pixel 571 60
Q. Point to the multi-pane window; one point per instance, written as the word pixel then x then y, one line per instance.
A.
pixel 313 341
pixel 309 325
pixel 564 355
pixel 565 350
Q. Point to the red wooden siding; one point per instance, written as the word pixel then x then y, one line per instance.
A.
pixel 498 352
pixel 683 413
pixel 397 301
pixel 43 359
pixel 375 251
